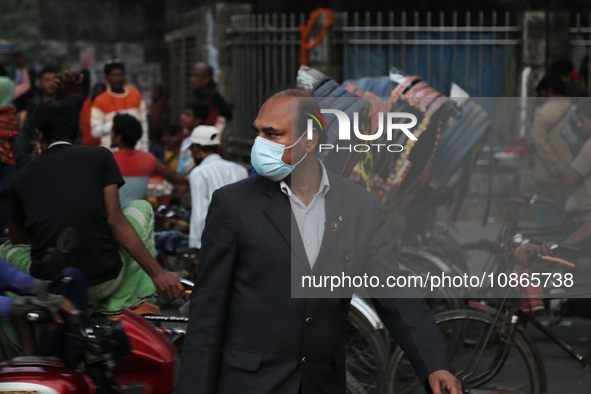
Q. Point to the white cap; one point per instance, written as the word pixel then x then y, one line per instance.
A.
pixel 205 136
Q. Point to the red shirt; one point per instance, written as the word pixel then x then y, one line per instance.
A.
pixel 135 163
pixel 136 167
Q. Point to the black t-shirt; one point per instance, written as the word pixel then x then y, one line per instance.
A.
pixel 63 188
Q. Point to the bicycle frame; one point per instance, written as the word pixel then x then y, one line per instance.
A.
pixel 514 318
pixel 585 361
pixel 500 359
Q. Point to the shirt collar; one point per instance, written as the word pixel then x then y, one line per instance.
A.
pixel 322 190
pixel 58 143
pixel 212 157
pixel 119 95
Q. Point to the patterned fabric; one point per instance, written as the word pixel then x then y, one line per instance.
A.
pixel 131 287
pixel 8 132
pixel 310 219
pixel 136 286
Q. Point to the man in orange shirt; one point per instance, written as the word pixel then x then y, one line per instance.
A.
pixel 119 98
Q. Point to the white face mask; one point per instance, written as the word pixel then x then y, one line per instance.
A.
pixel 267 158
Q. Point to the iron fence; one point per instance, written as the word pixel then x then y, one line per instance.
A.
pixel 478 54
pixel 265 52
pixel 185 52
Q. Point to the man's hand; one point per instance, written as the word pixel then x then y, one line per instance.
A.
pixel 443 379
pixel 51 303
pixel 66 306
pixel 169 284
pixel 545 249
pixel 71 83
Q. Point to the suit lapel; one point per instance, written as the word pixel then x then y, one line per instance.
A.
pixel 335 220
pixel 280 214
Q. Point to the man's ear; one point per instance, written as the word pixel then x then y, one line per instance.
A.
pixel 312 144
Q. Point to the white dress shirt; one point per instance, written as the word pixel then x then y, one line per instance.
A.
pixel 311 219
pixel 213 173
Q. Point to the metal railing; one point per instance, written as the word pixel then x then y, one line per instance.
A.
pixel 478 54
pixel 184 48
pixel 265 50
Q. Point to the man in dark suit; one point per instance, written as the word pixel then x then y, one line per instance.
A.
pixel 252 327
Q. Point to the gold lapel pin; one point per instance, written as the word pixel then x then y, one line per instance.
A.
pixel 335 226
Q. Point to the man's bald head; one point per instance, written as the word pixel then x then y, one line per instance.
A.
pixel 305 102
pixel 201 75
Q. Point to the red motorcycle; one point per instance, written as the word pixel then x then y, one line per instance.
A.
pixel 130 356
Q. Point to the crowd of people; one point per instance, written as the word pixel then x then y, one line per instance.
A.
pixel 81 158
pixel 167 140
pixel 92 177
pixel 83 161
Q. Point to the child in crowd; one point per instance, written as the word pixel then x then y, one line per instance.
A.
pixel 171 146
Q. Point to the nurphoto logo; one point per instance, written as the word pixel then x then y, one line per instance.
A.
pixel 344 134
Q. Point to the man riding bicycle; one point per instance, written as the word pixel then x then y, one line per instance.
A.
pixel 77 187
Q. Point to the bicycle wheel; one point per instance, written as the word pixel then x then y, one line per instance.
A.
pixel 507 365
pixel 441 299
pixel 366 352
pixel 353 385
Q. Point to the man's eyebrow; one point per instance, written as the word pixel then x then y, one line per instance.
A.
pixel 266 130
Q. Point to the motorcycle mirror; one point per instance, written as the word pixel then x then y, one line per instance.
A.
pixel 68 240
